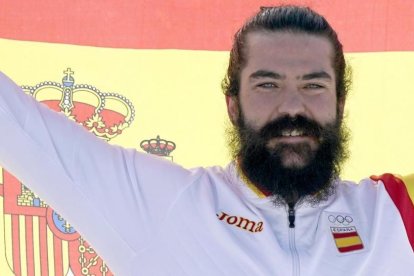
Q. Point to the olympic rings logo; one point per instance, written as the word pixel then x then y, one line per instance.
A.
pixel 344 220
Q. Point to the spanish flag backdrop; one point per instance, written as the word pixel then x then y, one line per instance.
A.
pixel 146 75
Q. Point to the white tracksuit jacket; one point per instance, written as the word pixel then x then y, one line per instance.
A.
pixel 148 216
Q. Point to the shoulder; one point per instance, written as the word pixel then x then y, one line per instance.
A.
pixel 222 180
pixel 397 187
pixel 386 195
pixel 400 190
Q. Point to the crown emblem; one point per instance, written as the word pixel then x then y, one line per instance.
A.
pixel 158 146
pixel 104 114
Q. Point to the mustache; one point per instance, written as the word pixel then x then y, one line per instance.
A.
pixel 305 125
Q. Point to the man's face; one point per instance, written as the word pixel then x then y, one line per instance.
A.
pixel 289 137
pixel 287 75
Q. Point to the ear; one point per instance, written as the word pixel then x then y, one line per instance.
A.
pixel 232 108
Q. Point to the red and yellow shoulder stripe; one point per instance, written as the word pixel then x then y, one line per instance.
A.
pixel 401 191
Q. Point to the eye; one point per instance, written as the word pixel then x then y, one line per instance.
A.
pixel 268 85
pixel 313 86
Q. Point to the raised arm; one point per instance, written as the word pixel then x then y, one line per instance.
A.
pixel 113 196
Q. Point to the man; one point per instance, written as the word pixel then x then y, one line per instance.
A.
pixel 278 209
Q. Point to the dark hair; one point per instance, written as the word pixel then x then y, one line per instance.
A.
pixel 285 18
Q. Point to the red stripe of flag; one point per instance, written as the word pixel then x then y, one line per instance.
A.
pixel 351 248
pixel 57 247
pixel 16 244
pixel 363 26
pixel 399 195
pixel 29 246
pixel 44 268
pixel 345 235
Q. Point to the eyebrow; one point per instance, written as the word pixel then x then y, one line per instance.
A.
pixel 266 74
pixel 270 74
pixel 316 75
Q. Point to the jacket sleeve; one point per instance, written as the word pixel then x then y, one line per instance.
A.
pixel 115 197
pixel 399 191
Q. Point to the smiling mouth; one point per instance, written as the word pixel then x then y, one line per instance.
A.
pixel 292 133
pixel 292 136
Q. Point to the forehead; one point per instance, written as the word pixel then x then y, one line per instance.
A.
pixel 280 51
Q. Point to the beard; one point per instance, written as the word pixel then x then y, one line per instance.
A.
pixel 264 164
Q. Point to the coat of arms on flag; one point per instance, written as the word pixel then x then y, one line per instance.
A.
pixel 347 239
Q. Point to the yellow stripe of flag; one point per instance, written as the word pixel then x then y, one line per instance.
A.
pixel 348 241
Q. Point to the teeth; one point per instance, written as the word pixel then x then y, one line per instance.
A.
pixel 286 133
pixel 296 133
pixel 290 133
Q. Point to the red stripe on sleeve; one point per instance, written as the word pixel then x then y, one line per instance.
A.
pixel 399 195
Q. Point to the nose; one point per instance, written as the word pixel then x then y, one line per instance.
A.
pixel 291 103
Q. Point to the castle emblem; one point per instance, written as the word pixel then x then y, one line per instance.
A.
pixel 104 114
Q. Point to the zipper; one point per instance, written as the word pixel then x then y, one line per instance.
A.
pixel 291 215
pixel 292 244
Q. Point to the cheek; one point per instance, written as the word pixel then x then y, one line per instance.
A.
pixel 260 103
pixel 258 110
pixel 323 109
